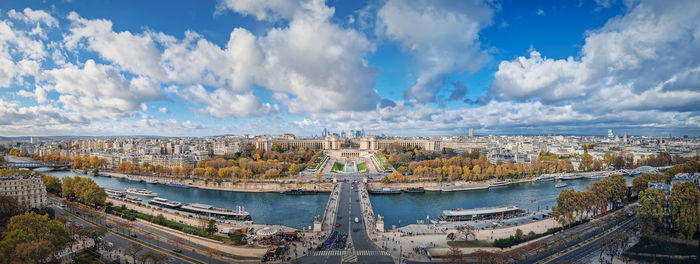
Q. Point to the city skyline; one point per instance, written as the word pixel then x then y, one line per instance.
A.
pixel 96 68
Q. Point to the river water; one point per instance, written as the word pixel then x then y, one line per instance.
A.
pixel 408 208
pixel 299 210
pixel 296 211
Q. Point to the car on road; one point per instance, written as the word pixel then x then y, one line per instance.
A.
pixel 355 229
pixel 337 225
pixel 134 235
pixel 357 220
pixel 177 250
pixel 108 226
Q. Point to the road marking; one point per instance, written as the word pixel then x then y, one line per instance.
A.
pixel 350 256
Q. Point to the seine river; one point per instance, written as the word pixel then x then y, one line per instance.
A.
pixel 408 208
pixel 296 211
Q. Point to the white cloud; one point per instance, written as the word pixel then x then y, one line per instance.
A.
pixel 100 91
pixel 319 63
pixel 225 103
pixel 134 53
pixel 539 12
pixel 263 10
pixel 17 44
pixel 25 93
pixel 163 110
pixel 645 59
pixel 442 36
pixel 30 16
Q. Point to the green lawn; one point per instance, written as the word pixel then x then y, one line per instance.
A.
pixel 317 162
pixel 362 167
pixel 381 159
pixel 337 167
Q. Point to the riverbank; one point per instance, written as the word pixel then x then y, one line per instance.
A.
pixel 435 186
pixel 233 187
pixel 193 220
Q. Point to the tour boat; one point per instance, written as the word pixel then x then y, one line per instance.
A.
pixel 480 213
pixel 162 202
pixel 141 192
pixel 114 193
pixel 178 185
pixel 384 191
pixel 153 182
pixel 414 190
pixel 133 199
pixel 571 177
pixel 300 191
pixel 471 187
pixel 499 184
pixel 543 179
pixel 597 175
pixel 219 213
pixel 561 184
pixel 134 179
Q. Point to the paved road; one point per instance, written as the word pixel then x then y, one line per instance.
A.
pixel 359 247
pixel 582 254
pixel 118 242
pixel 161 239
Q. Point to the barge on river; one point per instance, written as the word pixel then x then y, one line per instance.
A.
pixel 414 190
pixel 480 213
pixel 141 192
pixel 472 187
pixel 499 184
pixel 165 203
pixel 299 191
pixel 543 179
pixel 114 193
pixel 384 191
pixel 178 185
pixel 219 213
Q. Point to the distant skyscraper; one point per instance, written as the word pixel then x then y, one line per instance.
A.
pixel 325 132
pixel 471 132
pixel 610 133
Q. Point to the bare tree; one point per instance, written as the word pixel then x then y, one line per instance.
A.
pixel 212 253
pixel 467 231
pixel 134 250
pixel 454 255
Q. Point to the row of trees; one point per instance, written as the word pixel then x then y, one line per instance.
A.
pixel 480 169
pixel 84 190
pixel 84 163
pixel 49 157
pixel 640 183
pixel 573 206
pixel 219 169
pixel 680 209
pixel 32 238
pixel 16 152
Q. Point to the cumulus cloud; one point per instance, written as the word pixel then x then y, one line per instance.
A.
pixel 224 102
pixel 134 53
pixel 442 37
pixel 262 10
pixel 30 16
pixel 321 64
pixel 100 91
pixel 17 43
pixel 163 110
pixel 645 59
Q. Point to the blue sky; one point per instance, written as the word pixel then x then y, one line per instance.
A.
pixel 194 68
